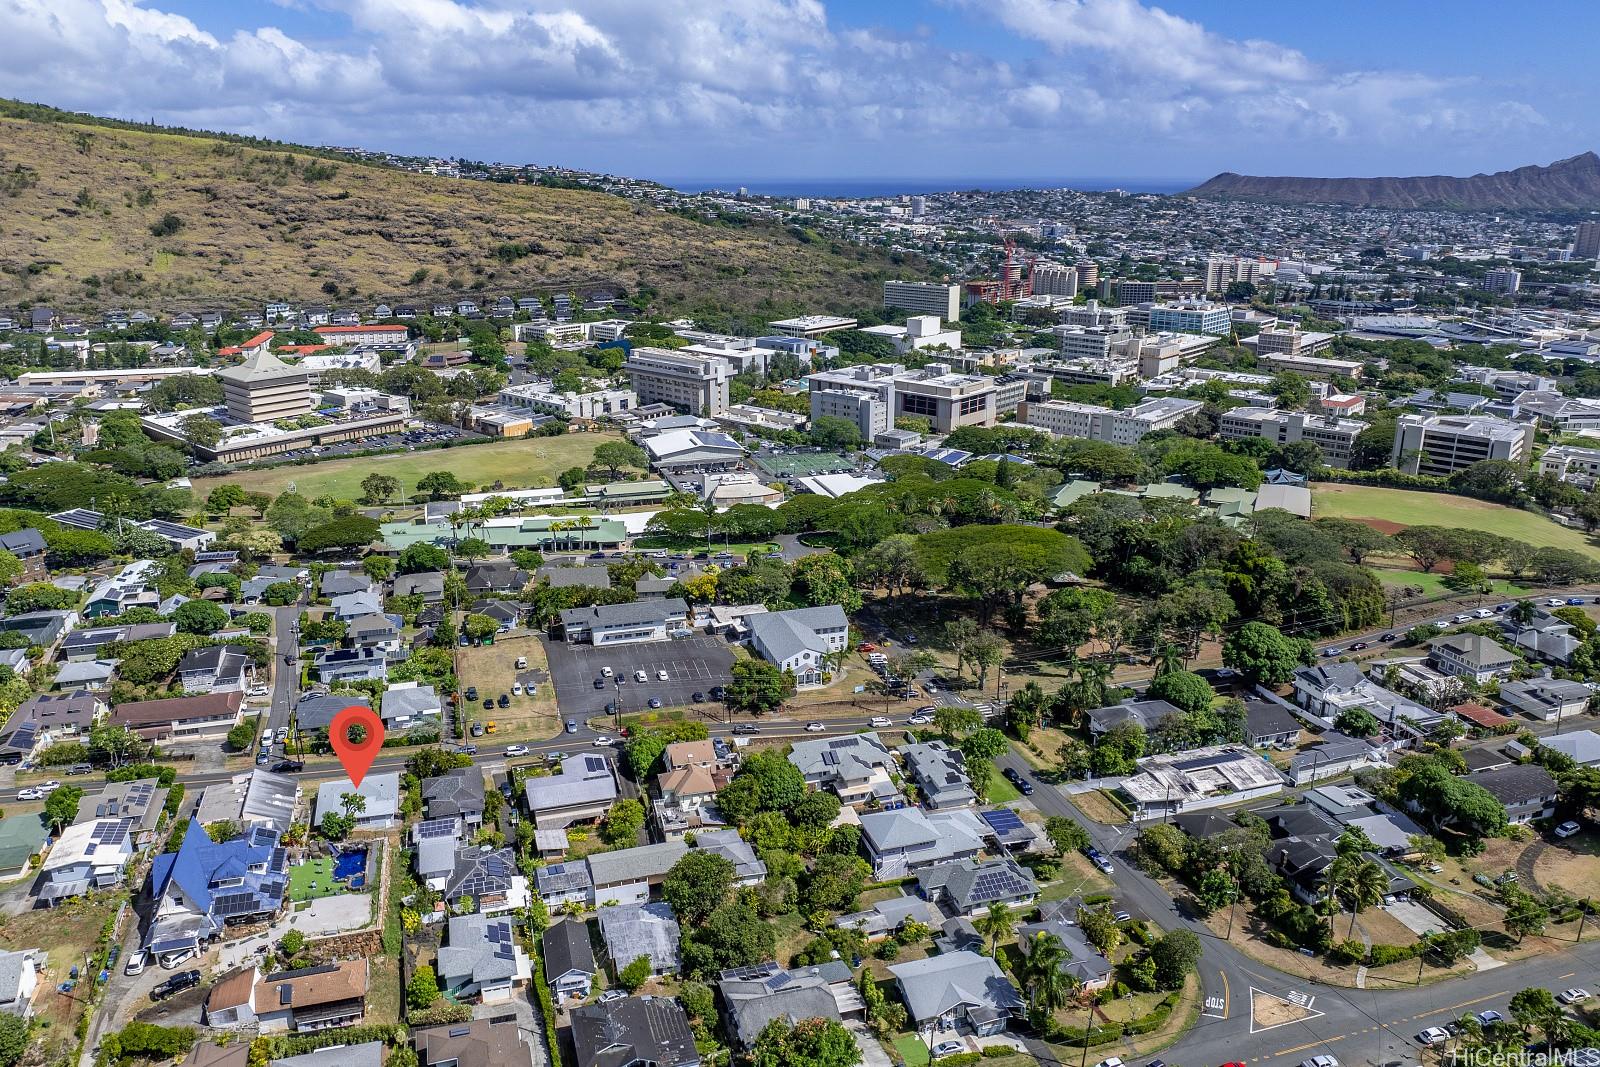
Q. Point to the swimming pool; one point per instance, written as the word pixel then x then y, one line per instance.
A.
pixel 350 866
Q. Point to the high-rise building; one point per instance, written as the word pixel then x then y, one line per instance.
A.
pixel 264 389
pixel 919 206
pixel 1440 445
pixel 862 394
pixel 692 382
pixel 1503 280
pixel 924 298
pixel 1191 316
pixel 1094 313
pixel 1587 244
pixel 1088 273
pixel 1053 279
pixel 1131 292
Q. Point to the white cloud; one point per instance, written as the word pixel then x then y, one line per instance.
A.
pixel 714 86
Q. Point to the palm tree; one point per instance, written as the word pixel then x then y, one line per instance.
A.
pixel 1361 883
pixel 1169 658
pixel 1049 986
pixel 1522 613
pixel 996 925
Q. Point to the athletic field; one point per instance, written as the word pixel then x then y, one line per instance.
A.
pixel 1391 509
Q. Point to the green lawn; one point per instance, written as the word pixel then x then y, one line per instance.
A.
pixel 911 1049
pixel 1433 584
pixel 318 872
pixel 529 463
pixel 1002 791
pixel 1407 507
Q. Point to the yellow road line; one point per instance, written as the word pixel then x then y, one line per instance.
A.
pixel 1225 993
pixel 1311 1044
pixel 1463 1004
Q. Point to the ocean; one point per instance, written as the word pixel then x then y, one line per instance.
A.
pixel 860 188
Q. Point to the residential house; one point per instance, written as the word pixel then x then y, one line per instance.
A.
pixel 569 964
pixel 375 631
pixel 576 577
pixel 1549 699
pixel 207 885
pixel 490 878
pixel 1544 637
pixel 564 883
pixel 232 1001
pixel 480 1043
pixel 256 798
pixel 46 719
pixel 88 855
pixel 618 624
pixel 324 997
pixel 22 837
pixel 315 711
pixel 748 869
pixel 495 576
pixel 1526 790
pixel 956 990
pixel 634 930
pixel 968 887
pixel 800 641
pixel 347 606
pixel 888 916
pixel 132 587
pixel 755 996
pixel 633 1032
pixel 207 717
pixel 627 875
pixel 1083 963
pixel 1173 782
pixel 42 628
pixel 1333 755
pixel 91 675
pixel 351 665
pixel 141 801
pixel 213 669
pixel 1268 725
pixel 456 794
pixel 1147 714
pixel 506 613
pixel 429 585
pixel 28 545
pixel 1472 656
pixel 583 791
pixel 1580 746
pixel 482 960
pixel 939 773
pixel 379 792
pixel 340 583
pixel 366 1054
pixel 85 643
pixel 686 800
pixel 1327 689
pixel 19 980
pixel 407 705
pixel 857 767
pixel 908 839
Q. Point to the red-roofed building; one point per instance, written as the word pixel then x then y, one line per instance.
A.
pixel 1484 718
pixel 302 350
pixel 1345 405
pixel 364 335
pixel 253 347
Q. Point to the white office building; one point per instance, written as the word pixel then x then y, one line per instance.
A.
pixel 1569 463
pixel 927 298
pixel 593 404
pixel 1336 437
pixel 692 382
pixel 1094 313
pixel 1440 445
pixel 862 394
pixel 1191 316
pixel 1123 427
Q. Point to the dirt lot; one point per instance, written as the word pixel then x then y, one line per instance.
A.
pixel 1097 806
pixel 1573 864
pixel 68 935
pixel 492 669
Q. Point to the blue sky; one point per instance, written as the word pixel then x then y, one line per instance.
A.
pixel 768 89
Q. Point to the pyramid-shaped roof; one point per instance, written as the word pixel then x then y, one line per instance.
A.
pixel 261 367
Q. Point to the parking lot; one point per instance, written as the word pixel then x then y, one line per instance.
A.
pixel 693 665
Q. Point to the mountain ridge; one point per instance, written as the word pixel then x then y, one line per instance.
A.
pixel 1571 184
pixel 99 214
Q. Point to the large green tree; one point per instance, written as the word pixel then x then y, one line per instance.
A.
pixel 1263 654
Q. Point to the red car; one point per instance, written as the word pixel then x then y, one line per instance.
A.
pixel 866 646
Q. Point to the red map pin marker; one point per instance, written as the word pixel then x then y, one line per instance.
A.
pixel 356 756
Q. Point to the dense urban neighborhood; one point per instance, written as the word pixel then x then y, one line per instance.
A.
pixel 1151 623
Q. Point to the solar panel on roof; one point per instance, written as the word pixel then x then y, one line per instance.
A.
pixel 1002 819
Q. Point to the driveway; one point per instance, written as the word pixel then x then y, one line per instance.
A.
pixel 872 1053
pixel 1419 919
pixel 693 665
pixel 324 916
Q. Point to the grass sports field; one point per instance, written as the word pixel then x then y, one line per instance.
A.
pixel 1393 508
pixel 529 463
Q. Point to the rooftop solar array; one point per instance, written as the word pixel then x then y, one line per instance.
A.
pixel 1002 820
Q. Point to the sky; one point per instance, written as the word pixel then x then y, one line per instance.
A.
pixel 756 90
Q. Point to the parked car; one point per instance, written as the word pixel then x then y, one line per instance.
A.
pixel 1568 828
pixel 572 726
pixel 1486 1018
pixel 516 689
pixel 599 683
pixel 746 728
pixel 136 962
pixel 472 692
pixel 661 676
pixel 488 703
pixel 1320 1061
pixel 1110 1061
pixel 1121 916
pixel 881 722
pixel 1025 787
pixel 814 727
pixel 477 729
pixel 953 1048
pixel 522 663
pixel 173 960
pixel 698 697
pixel 640 676
pixel 654 702
pixel 612 994
pixel 176 984
pixel 1573 996
pixel 504 701
pixel 516 750
pixel 1434 1035
pixel 607 671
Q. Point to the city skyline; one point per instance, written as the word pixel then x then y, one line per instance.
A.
pixel 797 90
